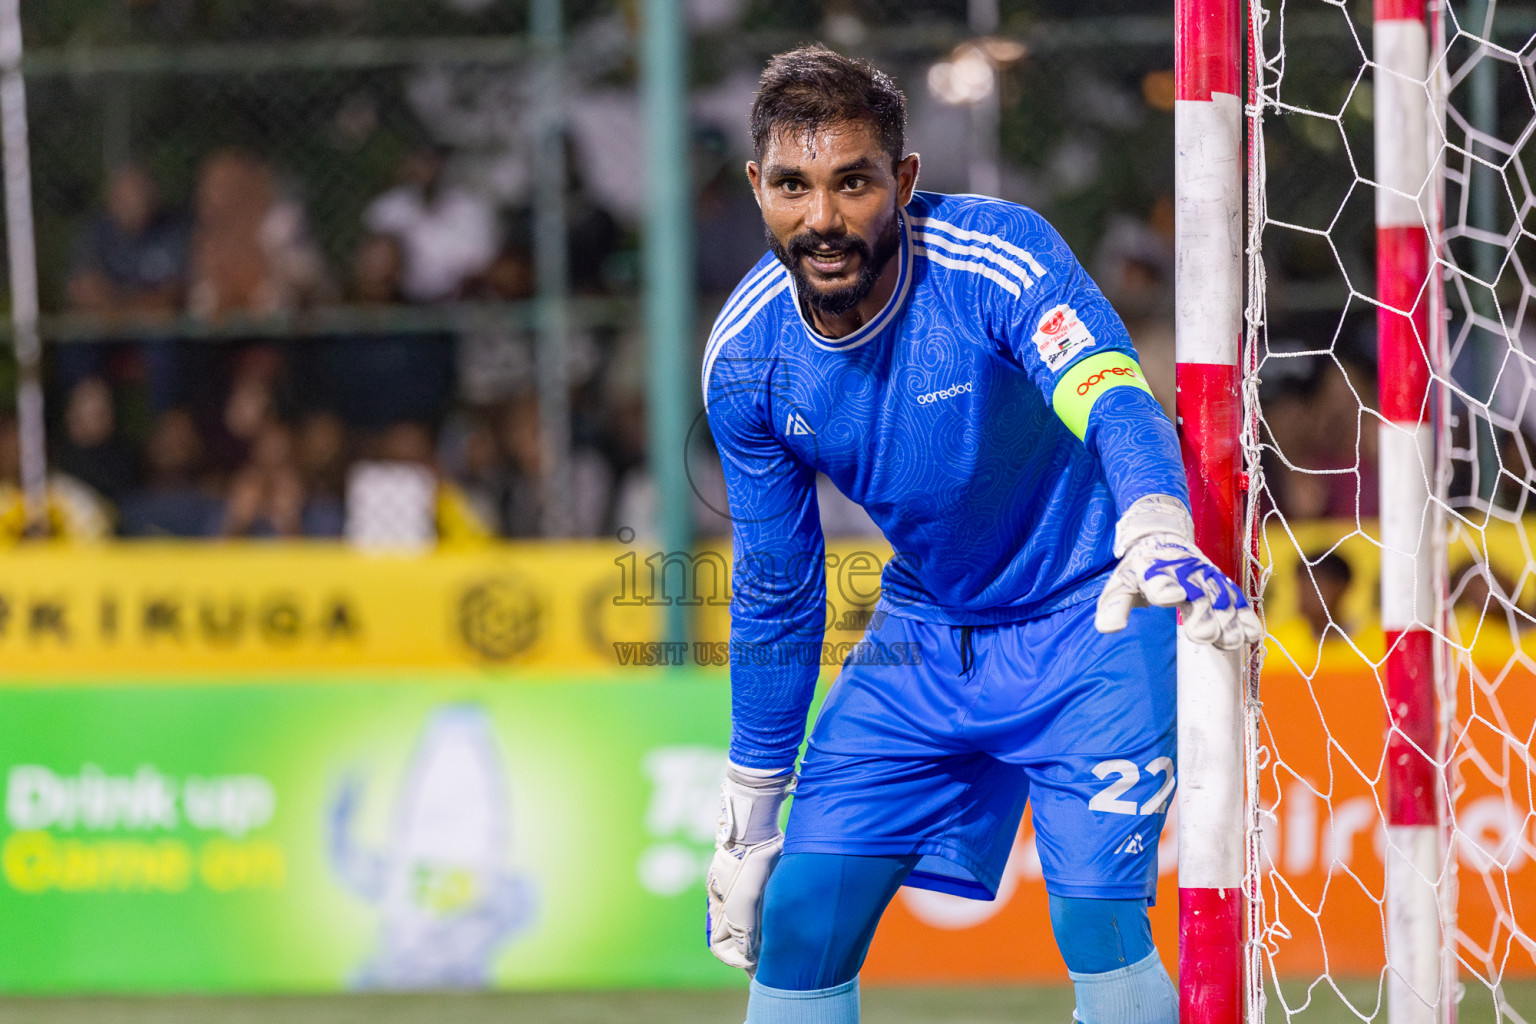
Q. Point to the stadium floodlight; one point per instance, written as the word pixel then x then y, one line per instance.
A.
pixel 966 77
pixel 969 74
pixel 969 78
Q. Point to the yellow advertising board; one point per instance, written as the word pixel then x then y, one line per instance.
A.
pixel 1491 594
pixel 196 609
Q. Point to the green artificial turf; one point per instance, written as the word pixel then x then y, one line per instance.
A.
pixel 1052 1005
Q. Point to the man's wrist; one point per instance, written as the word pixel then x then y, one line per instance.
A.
pixel 764 778
pixel 1153 514
pixel 750 800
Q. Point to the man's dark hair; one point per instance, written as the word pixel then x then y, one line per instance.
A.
pixel 811 88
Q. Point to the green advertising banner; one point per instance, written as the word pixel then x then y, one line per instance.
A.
pixel 446 832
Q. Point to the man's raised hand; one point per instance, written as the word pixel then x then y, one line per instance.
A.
pixel 1160 565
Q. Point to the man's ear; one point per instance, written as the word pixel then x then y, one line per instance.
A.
pixel 755 176
pixel 906 177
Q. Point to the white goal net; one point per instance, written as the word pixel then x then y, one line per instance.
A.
pixel 1372 899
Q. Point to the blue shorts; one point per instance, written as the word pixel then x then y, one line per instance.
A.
pixel 938 757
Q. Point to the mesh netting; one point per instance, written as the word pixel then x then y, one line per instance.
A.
pixel 1319 771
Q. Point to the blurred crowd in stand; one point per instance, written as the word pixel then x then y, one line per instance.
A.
pixel 340 298
pixel 233 436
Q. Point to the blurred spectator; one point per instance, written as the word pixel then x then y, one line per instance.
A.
pixel 592 234
pixel 447 234
pixel 510 277
pixel 1134 264
pixel 172 501
pixel 1516 476
pixel 635 501
pixel 497 360
pixel 322 454
pixel 625 443
pixel 455 516
pixel 376 270
pixel 268 496
pixel 129 261
pixel 520 496
pixel 131 257
pixel 1484 589
pixel 251 251
pixel 1322 584
pixel 1499 364
pixel 592 238
pixel 255 374
pixel 93 450
pixel 373 380
pixel 1134 261
pixel 1291 444
pixel 729 234
pixel 1321 461
pixel 1348 398
pixel 469 454
pixel 72 511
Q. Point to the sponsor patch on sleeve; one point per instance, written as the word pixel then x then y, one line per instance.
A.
pixel 1060 335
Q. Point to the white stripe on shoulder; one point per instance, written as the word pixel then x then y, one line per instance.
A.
pixel 965 234
pixel 930 239
pixel 717 345
pixel 748 292
pixel 974 268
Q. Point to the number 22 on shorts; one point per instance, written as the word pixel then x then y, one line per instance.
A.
pixel 1109 800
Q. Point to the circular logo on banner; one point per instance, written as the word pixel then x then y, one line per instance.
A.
pixel 499 619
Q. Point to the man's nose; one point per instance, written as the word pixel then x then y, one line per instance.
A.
pixel 823 215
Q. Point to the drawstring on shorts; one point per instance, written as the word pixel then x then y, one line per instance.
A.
pixel 967 650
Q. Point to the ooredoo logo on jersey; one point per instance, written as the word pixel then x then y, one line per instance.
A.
pixel 1060 334
pixel 1089 383
pixel 949 392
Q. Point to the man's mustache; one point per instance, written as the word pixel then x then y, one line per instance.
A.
pixel 805 243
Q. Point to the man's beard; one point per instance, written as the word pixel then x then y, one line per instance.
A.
pixel 839 300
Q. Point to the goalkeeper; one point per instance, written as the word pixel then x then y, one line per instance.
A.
pixel 949 365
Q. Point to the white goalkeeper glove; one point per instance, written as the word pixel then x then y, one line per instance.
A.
pixel 1160 565
pixel 747 846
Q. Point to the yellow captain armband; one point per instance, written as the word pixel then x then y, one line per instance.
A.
pixel 1086 382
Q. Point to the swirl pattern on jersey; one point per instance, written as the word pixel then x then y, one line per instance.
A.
pixel 936 418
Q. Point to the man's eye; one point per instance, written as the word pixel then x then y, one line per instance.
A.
pixel 792 186
pixel 854 183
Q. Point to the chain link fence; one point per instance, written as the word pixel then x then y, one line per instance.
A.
pixel 281 241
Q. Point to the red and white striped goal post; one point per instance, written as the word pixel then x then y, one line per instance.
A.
pixel 1208 285
pixel 1209 276
pixel 1406 206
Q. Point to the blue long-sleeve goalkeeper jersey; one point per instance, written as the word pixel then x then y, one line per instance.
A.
pixel 991 419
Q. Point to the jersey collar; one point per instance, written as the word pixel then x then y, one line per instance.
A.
pixel 877 323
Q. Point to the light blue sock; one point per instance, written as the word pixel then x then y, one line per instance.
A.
pixel 1139 994
pixel 836 1005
